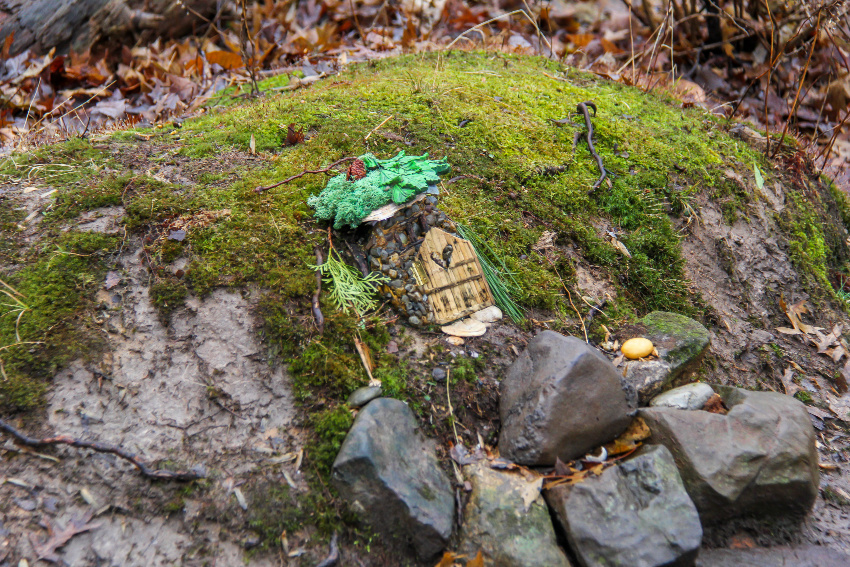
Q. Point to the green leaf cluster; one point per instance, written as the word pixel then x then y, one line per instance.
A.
pixel 349 201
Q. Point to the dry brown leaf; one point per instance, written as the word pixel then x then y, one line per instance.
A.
pixel 448 559
pixel 787 331
pixel 477 561
pixel 59 536
pixel 787 381
pixel 715 405
pixel 630 439
pixel 225 59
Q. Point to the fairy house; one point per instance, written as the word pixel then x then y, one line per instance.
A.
pixel 428 282
pixel 448 270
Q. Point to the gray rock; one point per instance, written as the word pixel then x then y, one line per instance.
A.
pixel 804 556
pixel 560 398
pixel 362 396
pixel 681 343
pixel 690 397
pixel 439 374
pixel 389 474
pixel 507 520
pixel 759 459
pixel 636 514
pixel 414 320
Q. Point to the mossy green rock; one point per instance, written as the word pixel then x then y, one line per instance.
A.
pixel 507 520
pixel 680 342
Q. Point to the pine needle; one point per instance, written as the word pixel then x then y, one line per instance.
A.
pixel 503 285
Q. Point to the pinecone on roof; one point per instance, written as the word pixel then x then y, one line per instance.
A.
pixel 357 170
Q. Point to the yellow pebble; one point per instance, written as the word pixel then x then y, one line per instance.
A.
pixel 637 348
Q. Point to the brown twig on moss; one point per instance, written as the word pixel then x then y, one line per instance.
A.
pixel 145 470
pixel 303 173
pixel 582 109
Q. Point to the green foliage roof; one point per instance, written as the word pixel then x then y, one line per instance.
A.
pixel 349 201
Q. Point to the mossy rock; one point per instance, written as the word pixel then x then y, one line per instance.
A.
pixel 679 340
pixel 681 343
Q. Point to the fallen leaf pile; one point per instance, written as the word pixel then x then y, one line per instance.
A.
pixel 803 71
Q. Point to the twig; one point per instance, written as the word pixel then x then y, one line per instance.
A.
pixel 303 173
pixel 22 439
pixel 317 312
pixel 793 112
pixel 583 328
pixel 491 20
pixel 582 109
pixel 449 400
pixel 375 129
pixel 333 555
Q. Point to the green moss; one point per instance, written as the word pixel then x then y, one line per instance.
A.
pixel 53 290
pixel 807 246
pixel 467 369
pixel 167 294
pixel 274 510
pixel 330 428
pixel 804 397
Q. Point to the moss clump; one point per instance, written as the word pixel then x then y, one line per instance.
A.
pixel 167 294
pixel 807 247
pixel 54 289
pixel 330 427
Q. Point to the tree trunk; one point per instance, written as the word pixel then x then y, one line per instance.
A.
pixel 78 25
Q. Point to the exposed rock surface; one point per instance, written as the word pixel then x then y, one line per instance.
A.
pixel 636 514
pixel 362 396
pixel 680 342
pixel 390 475
pixel 758 459
pixel 560 398
pixel 808 556
pixel 690 397
pixel 508 521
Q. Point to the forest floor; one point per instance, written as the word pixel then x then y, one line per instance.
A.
pixel 198 380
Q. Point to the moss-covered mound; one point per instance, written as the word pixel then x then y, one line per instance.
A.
pixel 505 124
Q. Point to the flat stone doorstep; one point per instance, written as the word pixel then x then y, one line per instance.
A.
pixel 781 556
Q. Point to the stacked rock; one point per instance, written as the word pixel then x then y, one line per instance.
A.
pixel 392 249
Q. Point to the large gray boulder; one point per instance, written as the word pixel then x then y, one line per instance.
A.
pixel 389 474
pixel 560 399
pixel 636 514
pixel 759 459
pixel 508 521
pixel 680 342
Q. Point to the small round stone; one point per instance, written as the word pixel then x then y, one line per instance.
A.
pixel 384 255
pixel 375 252
pixel 396 284
pixel 637 348
pixel 438 374
pixel 362 396
pixel 414 320
pixel 402 238
pixel 409 287
pixel 392 273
